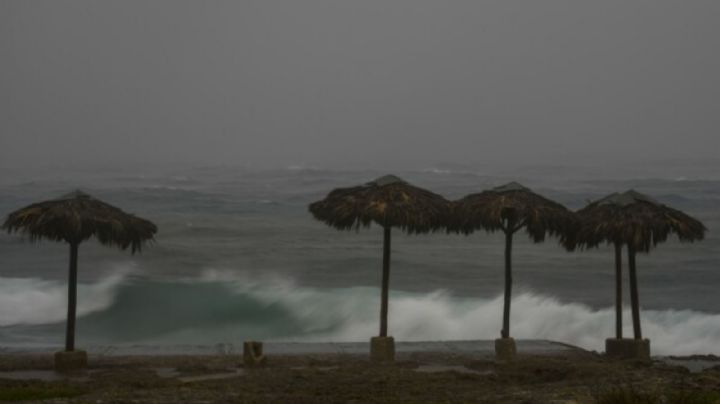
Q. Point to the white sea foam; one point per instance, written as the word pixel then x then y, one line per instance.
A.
pixel 438 316
pixel 38 301
pixel 342 314
pixel 351 314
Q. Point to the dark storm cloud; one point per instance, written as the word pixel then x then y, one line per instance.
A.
pixel 329 82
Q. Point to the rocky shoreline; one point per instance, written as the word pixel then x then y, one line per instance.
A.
pixel 571 376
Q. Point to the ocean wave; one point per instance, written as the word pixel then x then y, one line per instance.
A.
pixel 27 301
pixel 225 306
pixel 439 171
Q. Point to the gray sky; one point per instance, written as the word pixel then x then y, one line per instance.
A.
pixel 331 82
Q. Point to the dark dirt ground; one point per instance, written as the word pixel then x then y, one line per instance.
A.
pixel 577 377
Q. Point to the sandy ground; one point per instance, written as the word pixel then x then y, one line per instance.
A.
pixel 567 377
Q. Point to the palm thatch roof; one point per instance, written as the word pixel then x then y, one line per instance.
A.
pixel 388 201
pixel 76 217
pixel 636 220
pixel 512 205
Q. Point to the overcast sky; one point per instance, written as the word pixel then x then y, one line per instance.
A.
pixel 334 82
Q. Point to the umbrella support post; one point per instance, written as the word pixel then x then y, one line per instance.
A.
pixel 72 299
pixel 618 291
pixel 628 348
pixel 505 349
pixel 253 354
pixel 385 289
pixel 70 361
pixel 382 349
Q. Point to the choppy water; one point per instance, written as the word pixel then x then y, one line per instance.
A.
pixel 238 257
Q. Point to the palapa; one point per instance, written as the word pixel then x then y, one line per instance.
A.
pixel 74 218
pixel 639 222
pixel 510 208
pixel 389 202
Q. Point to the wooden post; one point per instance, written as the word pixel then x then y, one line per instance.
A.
pixel 253 354
pixel 508 279
pixel 385 283
pixel 634 298
pixel 618 291
pixel 72 299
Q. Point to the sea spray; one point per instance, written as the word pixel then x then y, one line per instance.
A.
pixel 230 306
pixel 26 301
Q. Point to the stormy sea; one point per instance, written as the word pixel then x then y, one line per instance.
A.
pixel 239 257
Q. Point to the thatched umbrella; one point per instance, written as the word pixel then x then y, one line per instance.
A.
pixel 389 202
pixel 74 218
pixel 639 222
pixel 510 208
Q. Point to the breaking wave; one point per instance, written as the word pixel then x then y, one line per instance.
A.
pixel 227 306
pixel 26 301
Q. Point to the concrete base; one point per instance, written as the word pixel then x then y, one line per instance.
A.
pixel 69 361
pixel 505 349
pixel 382 349
pixel 253 354
pixel 627 348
